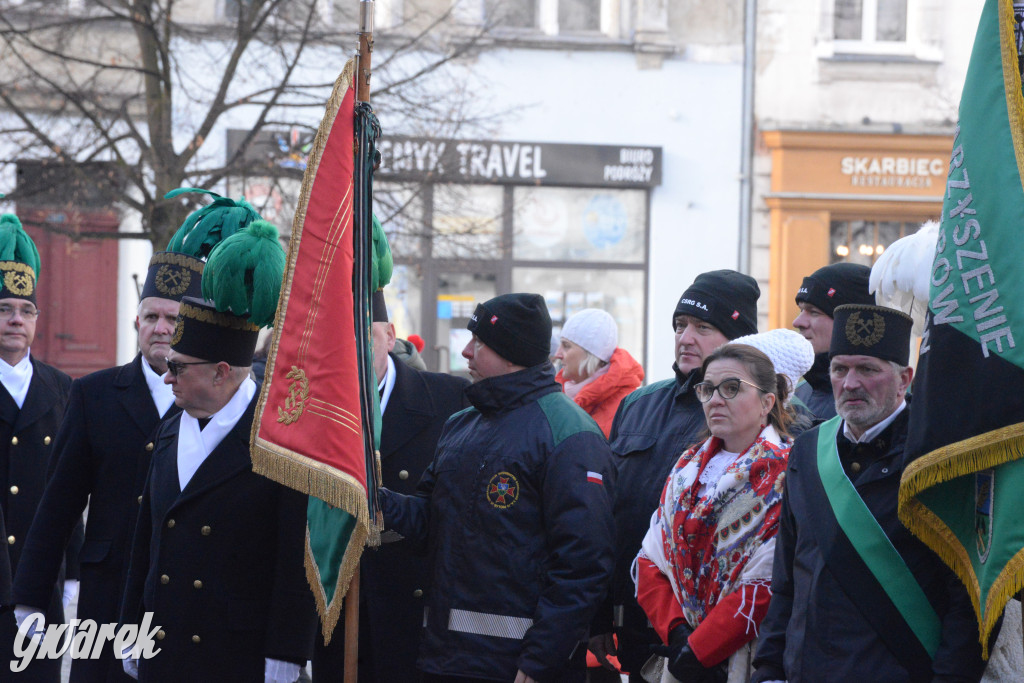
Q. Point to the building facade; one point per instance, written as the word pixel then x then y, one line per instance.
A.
pixel 856 105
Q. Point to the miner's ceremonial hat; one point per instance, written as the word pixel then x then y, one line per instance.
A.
pixel 876 331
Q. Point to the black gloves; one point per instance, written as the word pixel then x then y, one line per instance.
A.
pixel 683 664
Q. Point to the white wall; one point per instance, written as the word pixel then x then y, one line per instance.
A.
pixel 691 110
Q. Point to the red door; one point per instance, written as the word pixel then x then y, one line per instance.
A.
pixel 77 296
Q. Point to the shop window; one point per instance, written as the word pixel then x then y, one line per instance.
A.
pixel 870 21
pixel 567 290
pixel 467 222
pixel 863 242
pixel 579 224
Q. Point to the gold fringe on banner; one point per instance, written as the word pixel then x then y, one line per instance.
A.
pixel 330 613
pixel 959 459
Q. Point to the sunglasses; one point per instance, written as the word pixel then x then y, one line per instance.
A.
pixel 727 389
pixel 175 367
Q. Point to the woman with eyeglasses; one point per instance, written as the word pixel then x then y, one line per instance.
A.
pixel 703 574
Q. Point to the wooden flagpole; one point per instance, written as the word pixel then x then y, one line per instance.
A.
pixel 363 70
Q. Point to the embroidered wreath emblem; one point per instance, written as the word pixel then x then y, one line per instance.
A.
pixel 179 329
pixel 865 332
pixel 19 284
pixel 503 490
pixel 172 281
pixel 298 393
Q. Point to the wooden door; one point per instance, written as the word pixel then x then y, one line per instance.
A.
pixel 77 296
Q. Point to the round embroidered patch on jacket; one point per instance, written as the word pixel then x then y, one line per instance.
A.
pixel 503 490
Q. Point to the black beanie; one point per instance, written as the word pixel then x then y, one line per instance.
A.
pixel 874 331
pixel 516 326
pixel 724 298
pixel 836 285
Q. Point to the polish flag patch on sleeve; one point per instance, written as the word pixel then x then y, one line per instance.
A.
pixel 595 478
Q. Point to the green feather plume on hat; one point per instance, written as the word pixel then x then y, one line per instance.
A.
pixel 206 227
pixel 243 273
pixel 16 245
pixel 382 263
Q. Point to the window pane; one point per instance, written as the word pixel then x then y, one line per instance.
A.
pixel 514 13
pixel 399 207
pixel 892 20
pixel 847 19
pixel 572 224
pixel 863 241
pixel 467 221
pixel 579 15
pixel 620 292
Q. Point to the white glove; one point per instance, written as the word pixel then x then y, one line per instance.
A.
pixel 130 663
pixel 276 671
pixel 70 592
pixel 23 612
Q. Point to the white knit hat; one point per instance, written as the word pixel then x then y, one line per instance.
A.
pixel 594 330
pixel 790 353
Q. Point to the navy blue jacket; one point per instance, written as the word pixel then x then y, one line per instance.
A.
pixel 102 454
pixel 815 391
pixel 652 428
pixel 827 613
pixel 516 510
pixel 393 579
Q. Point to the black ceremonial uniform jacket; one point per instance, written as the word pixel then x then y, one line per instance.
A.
pixel 394 579
pixel 829 618
pixel 26 449
pixel 102 456
pixel 652 428
pixel 220 565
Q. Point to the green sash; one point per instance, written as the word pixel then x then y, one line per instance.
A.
pixel 871 543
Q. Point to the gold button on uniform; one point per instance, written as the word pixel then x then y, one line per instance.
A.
pixel 170 524
pixel 164 579
pixel 10 540
pixel 160 634
pixel 205 531
pixel 149 447
pixel 195 639
pixel 417 593
pixel 139 499
pixel 855 467
pixel 14 490
pixel 46 440
pixel 404 474
pixel 14 441
pixel 197 584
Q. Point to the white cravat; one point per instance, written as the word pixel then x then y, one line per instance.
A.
pixel 163 396
pixel 387 385
pixel 195 445
pixel 17 378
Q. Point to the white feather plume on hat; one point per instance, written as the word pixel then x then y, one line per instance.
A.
pixel 901 277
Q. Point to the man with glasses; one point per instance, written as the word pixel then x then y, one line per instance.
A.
pixel 652 428
pixel 218 551
pixel 32 400
pixel 855 596
pixel 103 451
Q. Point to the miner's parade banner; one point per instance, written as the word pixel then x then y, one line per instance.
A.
pixel 961 489
pixel 310 432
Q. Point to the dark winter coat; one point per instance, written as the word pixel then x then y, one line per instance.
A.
pixel 394 579
pixel 102 455
pixel 652 428
pixel 815 631
pixel 516 508
pixel 26 450
pixel 220 565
